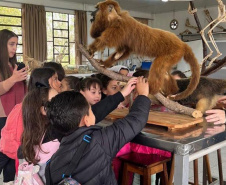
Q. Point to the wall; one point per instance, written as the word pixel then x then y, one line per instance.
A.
pixel 161 21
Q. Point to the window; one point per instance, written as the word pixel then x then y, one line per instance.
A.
pixel 11 19
pixel 60 37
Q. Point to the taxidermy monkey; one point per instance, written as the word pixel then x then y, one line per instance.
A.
pixel 205 96
pixel 114 28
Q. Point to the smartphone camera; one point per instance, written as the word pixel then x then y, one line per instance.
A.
pixel 20 65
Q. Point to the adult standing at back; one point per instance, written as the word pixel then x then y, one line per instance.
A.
pixel 12 90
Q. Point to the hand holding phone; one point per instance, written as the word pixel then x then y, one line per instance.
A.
pixel 20 72
pixel 20 65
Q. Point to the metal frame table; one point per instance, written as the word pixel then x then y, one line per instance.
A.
pixel 186 147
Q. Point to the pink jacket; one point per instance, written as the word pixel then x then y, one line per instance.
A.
pixel 11 132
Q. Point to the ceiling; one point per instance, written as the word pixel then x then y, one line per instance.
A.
pixel 153 6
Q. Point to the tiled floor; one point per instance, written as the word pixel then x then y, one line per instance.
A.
pixel 213 164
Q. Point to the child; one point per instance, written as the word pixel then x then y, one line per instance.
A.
pixel 120 69
pixel 70 83
pixel 57 67
pixel 90 88
pixel 95 164
pixel 12 91
pixel 102 108
pixel 37 142
pixel 178 74
pixel 38 149
pixel 110 87
pixel 14 123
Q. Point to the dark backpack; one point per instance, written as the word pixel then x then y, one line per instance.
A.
pixel 66 177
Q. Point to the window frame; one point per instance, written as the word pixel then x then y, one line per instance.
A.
pixel 54 53
pixel 12 25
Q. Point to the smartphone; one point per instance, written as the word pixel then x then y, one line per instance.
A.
pixel 20 65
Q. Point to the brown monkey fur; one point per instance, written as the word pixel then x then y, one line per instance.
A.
pixel 114 28
pixel 205 96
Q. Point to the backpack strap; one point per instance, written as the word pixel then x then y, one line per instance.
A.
pixel 78 155
pixel 74 161
pixel 48 174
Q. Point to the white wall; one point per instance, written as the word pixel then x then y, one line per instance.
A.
pixel 161 21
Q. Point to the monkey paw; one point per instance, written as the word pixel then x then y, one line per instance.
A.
pixel 100 62
pixel 172 97
pixel 91 52
pixel 118 55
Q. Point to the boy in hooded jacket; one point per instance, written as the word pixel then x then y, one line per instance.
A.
pixel 70 113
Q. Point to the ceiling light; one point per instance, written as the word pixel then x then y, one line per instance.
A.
pixel 164 0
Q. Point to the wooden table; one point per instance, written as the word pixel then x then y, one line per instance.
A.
pixel 171 121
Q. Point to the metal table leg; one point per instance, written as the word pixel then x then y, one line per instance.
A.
pixel 182 164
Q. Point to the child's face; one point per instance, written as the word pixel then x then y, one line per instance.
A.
pixel 12 46
pixel 124 72
pixel 64 86
pixel 112 88
pixel 92 95
pixel 55 83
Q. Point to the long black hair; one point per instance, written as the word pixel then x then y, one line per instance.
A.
pixel 34 122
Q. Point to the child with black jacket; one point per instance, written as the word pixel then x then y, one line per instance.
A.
pixel 70 113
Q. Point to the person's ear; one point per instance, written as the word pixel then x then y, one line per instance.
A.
pixel 104 91
pixel 51 82
pixel 43 112
pixel 86 120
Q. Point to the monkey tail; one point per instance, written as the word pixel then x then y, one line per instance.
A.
pixel 190 58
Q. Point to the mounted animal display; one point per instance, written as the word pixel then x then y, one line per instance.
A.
pixel 114 28
pixel 204 97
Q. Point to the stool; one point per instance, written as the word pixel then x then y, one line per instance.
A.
pixel 145 165
pixel 208 170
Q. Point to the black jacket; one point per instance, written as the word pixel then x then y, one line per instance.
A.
pixel 94 167
pixel 105 106
pixel 100 110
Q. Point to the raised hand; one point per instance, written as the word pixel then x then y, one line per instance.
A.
pixel 129 87
pixel 19 75
pixel 142 86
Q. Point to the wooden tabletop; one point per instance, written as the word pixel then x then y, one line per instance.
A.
pixel 165 119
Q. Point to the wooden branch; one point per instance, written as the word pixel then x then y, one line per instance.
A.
pixel 218 64
pixel 102 70
pixel 199 29
pixel 174 106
